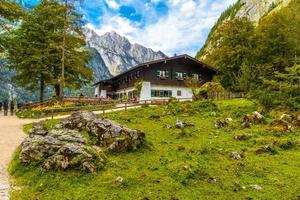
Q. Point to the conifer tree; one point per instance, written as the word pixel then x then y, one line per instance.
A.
pixel 36 49
pixel 9 13
pixel 235 38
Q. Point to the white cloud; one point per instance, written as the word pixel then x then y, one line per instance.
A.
pixel 112 4
pixel 183 30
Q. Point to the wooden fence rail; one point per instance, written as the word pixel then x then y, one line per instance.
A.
pixel 225 95
pixel 98 102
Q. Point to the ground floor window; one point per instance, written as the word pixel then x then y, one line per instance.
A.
pixel 161 93
pixel 179 93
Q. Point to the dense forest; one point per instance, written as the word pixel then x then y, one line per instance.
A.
pixel 261 60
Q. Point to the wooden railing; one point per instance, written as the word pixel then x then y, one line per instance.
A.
pixel 225 95
pixel 91 101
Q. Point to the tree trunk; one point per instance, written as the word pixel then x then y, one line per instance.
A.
pixel 57 90
pixel 42 87
pixel 62 81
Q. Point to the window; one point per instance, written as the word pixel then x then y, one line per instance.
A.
pixel 161 93
pixel 179 93
pixel 195 76
pixel 162 74
pixel 180 76
pixel 138 74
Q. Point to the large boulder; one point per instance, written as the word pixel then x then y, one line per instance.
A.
pixel 60 149
pixel 65 147
pixel 107 132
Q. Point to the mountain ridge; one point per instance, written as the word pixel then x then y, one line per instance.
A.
pixel 254 10
pixel 116 53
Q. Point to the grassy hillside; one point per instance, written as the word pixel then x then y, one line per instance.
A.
pixel 193 163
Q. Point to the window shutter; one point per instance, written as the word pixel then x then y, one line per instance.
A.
pixel 176 75
pixel 152 93
pixel 184 76
pixel 161 93
pixel 167 74
pixel 170 93
pixel 158 73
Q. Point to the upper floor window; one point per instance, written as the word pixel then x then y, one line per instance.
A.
pixel 180 76
pixel 162 74
pixel 195 76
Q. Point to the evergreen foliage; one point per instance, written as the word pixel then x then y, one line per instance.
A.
pixel 10 12
pixel 36 47
pixel 261 60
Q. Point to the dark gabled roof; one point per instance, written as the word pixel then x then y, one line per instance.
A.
pixel 159 61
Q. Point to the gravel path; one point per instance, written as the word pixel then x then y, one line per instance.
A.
pixel 11 134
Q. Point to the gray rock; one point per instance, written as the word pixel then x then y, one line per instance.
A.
pixel 61 149
pixel 258 117
pixel 242 137
pixel 220 124
pixel 38 129
pixel 256 187
pixel 119 179
pixel 66 148
pixel 107 132
pixel 286 117
pixel 181 124
pixel 236 155
pixel 266 149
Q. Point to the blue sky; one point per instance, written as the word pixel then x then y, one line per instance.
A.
pixel 172 26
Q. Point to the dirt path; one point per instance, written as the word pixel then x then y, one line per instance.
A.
pixel 11 135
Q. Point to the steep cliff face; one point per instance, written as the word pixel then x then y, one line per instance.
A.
pixel 113 54
pixel 254 10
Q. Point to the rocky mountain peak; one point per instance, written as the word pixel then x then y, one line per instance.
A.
pixel 116 54
pixel 254 10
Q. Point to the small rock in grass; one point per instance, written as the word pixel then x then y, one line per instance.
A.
pixel 119 179
pixel 238 187
pixel 281 125
pixel 154 117
pixel 185 167
pixel 256 187
pixel 258 117
pixel 179 124
pixel 220 124
pixel 242 137
pixel 229 119
pixel 265 149
pixel 236 155
pixel 212 180
pixel 286 117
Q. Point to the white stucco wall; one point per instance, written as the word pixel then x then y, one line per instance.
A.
pixel 186 93
pixel 146 91
pixel 103 94
pixel 97 92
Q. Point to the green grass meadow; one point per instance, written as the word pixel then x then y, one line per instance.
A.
pixel 193 163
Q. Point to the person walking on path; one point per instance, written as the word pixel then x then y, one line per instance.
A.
pixel 5 107
pixel 0 106
pixel 12 108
